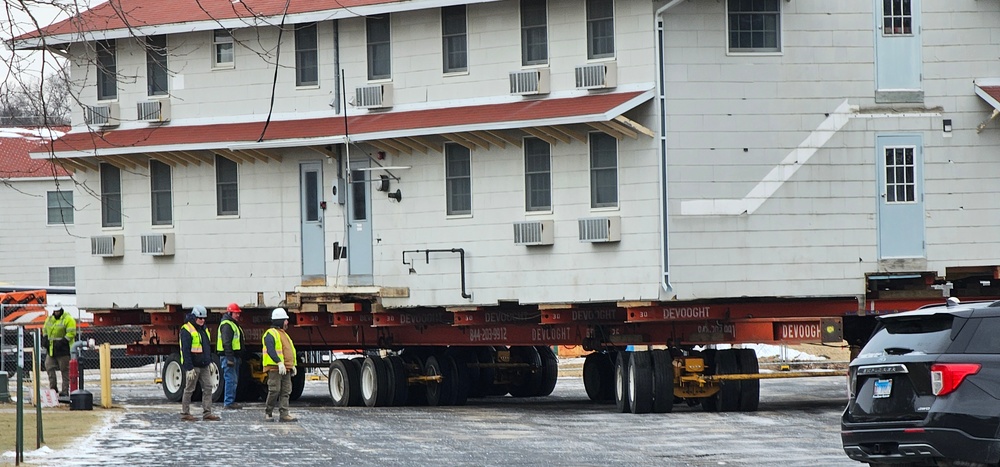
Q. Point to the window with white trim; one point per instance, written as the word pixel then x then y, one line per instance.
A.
pixel 603 171
pixel 64 276
pixel 160 193
pixel 453 32
pixel 534 33
pixel 537 175
pixel 900 175
pixel 754 25
pixel 111 195
pixel 107 70
pixel 458 178
pixel 156 65
pixel 60 207
pixel 379 47
pixel 897 17
pixel 600 28
pixel 227 193
pixel 306 55
pixel 223 49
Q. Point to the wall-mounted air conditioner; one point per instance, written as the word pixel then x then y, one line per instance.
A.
pixel 601 229
pixel 530 233
pixel 528 82
pixel 160 244
pixel 157 111
pixel 108 246
pixel 597 76
pixel 373 97
pixel 102 115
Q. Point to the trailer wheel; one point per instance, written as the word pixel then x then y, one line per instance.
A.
pixel 374 382
pixel 723 362
pixel 621 382
pixel 215 376
pixel 749 388
pixel 343 381
pixel 249 389
pixel 526 382
pixel 663 381
pixel 173 378
pixel 640 382
pixel 550 370
pixel 488 376
pixel 442 393
pixel 298 384
pixel 397 374
pixel 599 377
pixel 416 394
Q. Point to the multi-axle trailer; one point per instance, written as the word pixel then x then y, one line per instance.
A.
pixel 646 356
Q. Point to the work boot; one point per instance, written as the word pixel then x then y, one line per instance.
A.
pixel 211 418
pixel 233 406
pixel 188 417
pixel 268 417
pixel 287 418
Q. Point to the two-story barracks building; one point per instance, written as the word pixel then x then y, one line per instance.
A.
pixel 676 170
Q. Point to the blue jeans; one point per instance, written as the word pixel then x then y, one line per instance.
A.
pixel 231 375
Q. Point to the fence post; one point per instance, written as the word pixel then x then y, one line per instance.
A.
pixel 36 363
pixel 105 356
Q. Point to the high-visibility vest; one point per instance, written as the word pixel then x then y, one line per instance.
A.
pixel 196 346
pixel 237 336
pixel 57 328
pixel 266 360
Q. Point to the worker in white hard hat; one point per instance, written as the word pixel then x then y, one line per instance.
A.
pixel 279 363
pixel 60 331
pixel 196 358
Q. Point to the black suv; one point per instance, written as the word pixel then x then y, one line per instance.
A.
pixel 925 390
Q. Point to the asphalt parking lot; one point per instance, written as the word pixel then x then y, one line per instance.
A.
pixel 797 425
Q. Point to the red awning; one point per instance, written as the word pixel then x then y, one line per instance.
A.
pixel 331 130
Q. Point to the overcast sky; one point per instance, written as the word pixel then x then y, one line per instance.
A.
pixel 19 17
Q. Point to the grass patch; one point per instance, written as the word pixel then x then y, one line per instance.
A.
pixel 60 425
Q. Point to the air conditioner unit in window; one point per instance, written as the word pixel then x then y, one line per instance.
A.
pixel 153 111
pixel 373 97
pixel 530 233
pixel 600 229
pixel 161 244
pixel 108 246
pixel 597 76
pixel 528 82
pixel 106 115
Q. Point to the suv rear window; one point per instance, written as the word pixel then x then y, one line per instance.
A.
pixel 986 338
pixel 927 334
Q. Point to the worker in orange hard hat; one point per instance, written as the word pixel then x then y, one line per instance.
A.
pixel 230 350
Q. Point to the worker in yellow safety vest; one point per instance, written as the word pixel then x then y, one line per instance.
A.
pixel 229 346
pixel 279 362
pixel 60 331
pixel 196 359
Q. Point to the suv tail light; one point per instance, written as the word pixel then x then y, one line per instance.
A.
pixel 945 377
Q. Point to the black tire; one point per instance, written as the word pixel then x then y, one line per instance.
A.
pixel 482 380
pixel 749 388
pixel 621 383
pixel 640 382
pixel 526 382
pixel 298 383
pixel 341 382
pixel 663 381
pixel 215 375
pixel 723 362
pixel 592 379
pixel 440 393
pixel 374 382
pixel 250 389
pixel 550 370
pixel 398 376
pixel 468 372
pixel 417 393
pixel 173 378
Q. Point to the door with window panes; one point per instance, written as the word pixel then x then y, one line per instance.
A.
pixel 899 159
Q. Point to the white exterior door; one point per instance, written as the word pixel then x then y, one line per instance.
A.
pixel 313 249
pixel 898 59
pixel 359 232
pixel 899 161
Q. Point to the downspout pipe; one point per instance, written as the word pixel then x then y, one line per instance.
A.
pixel 427 259
pixel 662 110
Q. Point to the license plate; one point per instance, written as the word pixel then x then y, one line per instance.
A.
pixel 883 388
